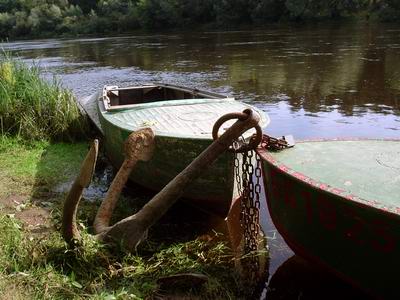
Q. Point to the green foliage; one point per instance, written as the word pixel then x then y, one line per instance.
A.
pixel 7 22
pixel 8 5
pixel 297 8
pixel 389 11
pixel 118 15
pixel 40 161
pixel 10 241
pixel 197 11
pixel 70 22
pixel 85 5
pixel 232 11
pixel 159 13
pixel 330 9
pixel 52 17
pixel 44 18
pixel 267 10
pixel 45 268
pixel 33 108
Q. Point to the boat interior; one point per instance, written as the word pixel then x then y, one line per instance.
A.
pixel 144 94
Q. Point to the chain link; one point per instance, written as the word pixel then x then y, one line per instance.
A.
pixel 247 168
pixel 274 144
pixel 248 183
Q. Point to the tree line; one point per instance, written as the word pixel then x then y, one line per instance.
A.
pixel 19 18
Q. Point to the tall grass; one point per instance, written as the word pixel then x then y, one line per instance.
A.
pixel 33 108
pixel 42 267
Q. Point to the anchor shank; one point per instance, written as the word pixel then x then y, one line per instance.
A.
pixel 131 230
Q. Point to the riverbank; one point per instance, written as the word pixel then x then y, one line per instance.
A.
pixel 36 263
pixel 32 108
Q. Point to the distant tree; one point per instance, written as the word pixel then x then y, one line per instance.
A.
pixel 297 8
pixel 336 8
pixel 7 22
pixel 197 11
pixel 22 25
pixel 9 5
pixel 85 5
pixel 45 18
pixel 309 9
pixel 107 7
pixel 389 10
pixel 73 11
pixel 71 20
pixel 394 4
pixel 267 10
pixel 130 19
pixel 159 13
pixel 233 12
pixel 121 15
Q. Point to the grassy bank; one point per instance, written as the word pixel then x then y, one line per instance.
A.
pixel 34 109
pixel 35 263
pixel 25 166
pixel 35 165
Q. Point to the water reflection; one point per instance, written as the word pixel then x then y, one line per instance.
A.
pixel 297 279
pixel 326 68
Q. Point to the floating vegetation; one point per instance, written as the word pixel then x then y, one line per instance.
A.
pixel 33 108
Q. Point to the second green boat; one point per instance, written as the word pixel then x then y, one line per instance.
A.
pixel 336 203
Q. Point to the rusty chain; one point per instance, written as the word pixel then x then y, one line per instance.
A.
pixel 246 188
pixel 248 172
pixel 249 191
pixel 274 144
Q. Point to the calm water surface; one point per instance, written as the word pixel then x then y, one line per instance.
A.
pixel 318 81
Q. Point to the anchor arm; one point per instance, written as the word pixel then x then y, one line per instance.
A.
pixel 69 229
pixel 138 147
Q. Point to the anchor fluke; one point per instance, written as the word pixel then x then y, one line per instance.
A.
pixel 70 231
pixel 138 147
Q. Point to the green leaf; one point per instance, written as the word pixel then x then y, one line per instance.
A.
pixel 76 284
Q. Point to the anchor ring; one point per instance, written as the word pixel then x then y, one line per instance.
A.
pixel 254 141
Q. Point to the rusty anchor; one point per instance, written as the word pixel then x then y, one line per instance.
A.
pixel 130 231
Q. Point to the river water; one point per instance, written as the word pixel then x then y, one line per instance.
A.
pixel 319 81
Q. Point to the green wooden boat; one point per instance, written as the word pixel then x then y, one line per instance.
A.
pixel 337 203
pixel 182 120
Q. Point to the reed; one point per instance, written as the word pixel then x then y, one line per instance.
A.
pixel 33 108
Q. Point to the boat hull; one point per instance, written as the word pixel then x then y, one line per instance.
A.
pixel 211 192
pixel 182 120
pixel 358 240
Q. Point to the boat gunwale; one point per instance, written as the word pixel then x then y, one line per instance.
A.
pixel 193 91
pixel 264 118
pixel 174 102
pixel 265 155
